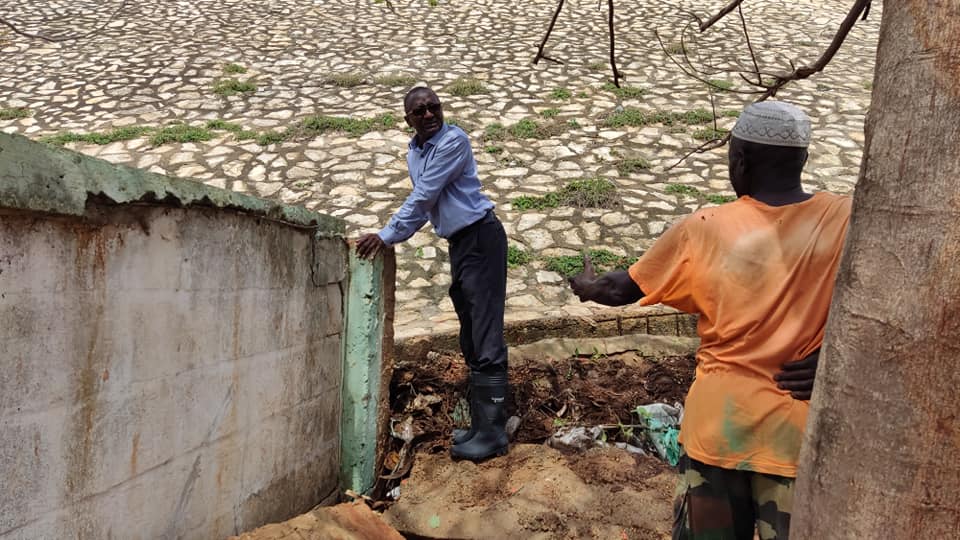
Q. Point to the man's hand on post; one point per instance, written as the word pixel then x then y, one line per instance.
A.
pixel 583 283
pixel 798 376
pixel 369 245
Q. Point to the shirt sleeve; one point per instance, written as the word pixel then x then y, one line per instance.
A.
pixel 445 166
pixel 665 272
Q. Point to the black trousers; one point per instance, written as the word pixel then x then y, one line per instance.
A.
pixel 478 264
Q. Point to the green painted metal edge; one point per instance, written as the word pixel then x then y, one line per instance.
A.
pixel 36 176
pixel 362 359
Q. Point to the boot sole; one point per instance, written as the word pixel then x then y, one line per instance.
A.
pixel 499 452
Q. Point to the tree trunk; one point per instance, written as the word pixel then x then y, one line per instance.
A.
pixel 881 457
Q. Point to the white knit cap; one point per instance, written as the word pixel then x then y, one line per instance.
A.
pixel 773 122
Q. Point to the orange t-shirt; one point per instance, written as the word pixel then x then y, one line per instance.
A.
pixel 761 278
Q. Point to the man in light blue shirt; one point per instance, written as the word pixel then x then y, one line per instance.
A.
pixel 446 191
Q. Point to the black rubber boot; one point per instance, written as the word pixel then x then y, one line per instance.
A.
pixel 490 437
pixel 461 436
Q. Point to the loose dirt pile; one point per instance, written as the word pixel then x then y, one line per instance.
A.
pixel 535 492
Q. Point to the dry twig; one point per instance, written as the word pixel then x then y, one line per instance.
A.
pixel 553 21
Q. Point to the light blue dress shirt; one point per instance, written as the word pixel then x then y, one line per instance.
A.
pixel 446 189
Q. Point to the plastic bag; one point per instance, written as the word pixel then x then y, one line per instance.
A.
pixel 662 429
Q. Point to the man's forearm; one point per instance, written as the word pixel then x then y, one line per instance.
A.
pixel 613 289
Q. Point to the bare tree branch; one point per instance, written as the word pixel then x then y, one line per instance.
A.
pixel 805 71
pixel 705 147
pixel 734 4
pixel 753 56
pixel 58 39
pixel 613 61
pixel 543 43
pixel 690 71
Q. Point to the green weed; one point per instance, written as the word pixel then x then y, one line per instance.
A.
pixel 529 202
pixel 395 79
pixel 624 92
pixel 719 199
pixel 525 129
pixel 345 80
pixel 584 193
pixel 710 134
pixel 232 87
pixel 603 261
pixel 495 132
pixel 180 133
pixel 517 256
pixel 318 124
pixel 14 113
pixel 271 137
pixel 590 193
pixel 549 113
pixel 466 86
pixel 720 85
pixel 232 68
pixel 632 165
pixel 683 189
pixel 635 117
pixel 106 137
pixel 224 126
pixel 696 116
pixel 493 149
pixel 560 93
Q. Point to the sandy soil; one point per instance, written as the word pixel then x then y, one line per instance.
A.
pixel 536 492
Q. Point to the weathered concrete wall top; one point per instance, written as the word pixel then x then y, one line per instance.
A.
pixel 169 369
pixel 47 179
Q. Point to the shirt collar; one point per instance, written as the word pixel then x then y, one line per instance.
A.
pixel 432 141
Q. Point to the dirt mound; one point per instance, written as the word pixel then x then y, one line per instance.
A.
pixel 536 492
pixel 347 521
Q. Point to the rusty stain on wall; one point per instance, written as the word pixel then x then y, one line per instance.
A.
pixel 90 261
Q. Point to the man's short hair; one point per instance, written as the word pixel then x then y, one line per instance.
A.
pixel 413 92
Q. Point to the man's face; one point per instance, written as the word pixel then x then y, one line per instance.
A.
pixel 424 114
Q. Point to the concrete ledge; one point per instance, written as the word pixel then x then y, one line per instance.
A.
pixel 61 181
pixel 654 320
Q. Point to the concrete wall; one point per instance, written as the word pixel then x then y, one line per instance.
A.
pixel 170 365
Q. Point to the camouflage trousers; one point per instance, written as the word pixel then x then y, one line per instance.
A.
pixel 725 504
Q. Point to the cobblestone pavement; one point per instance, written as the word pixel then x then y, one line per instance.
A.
pixel 157 63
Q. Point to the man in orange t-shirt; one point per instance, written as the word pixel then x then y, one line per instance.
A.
pixel 760 273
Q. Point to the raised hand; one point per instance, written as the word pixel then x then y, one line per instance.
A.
pixel 369 245
pixel 583 283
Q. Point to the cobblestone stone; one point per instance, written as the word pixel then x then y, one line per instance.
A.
pixel 157 64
